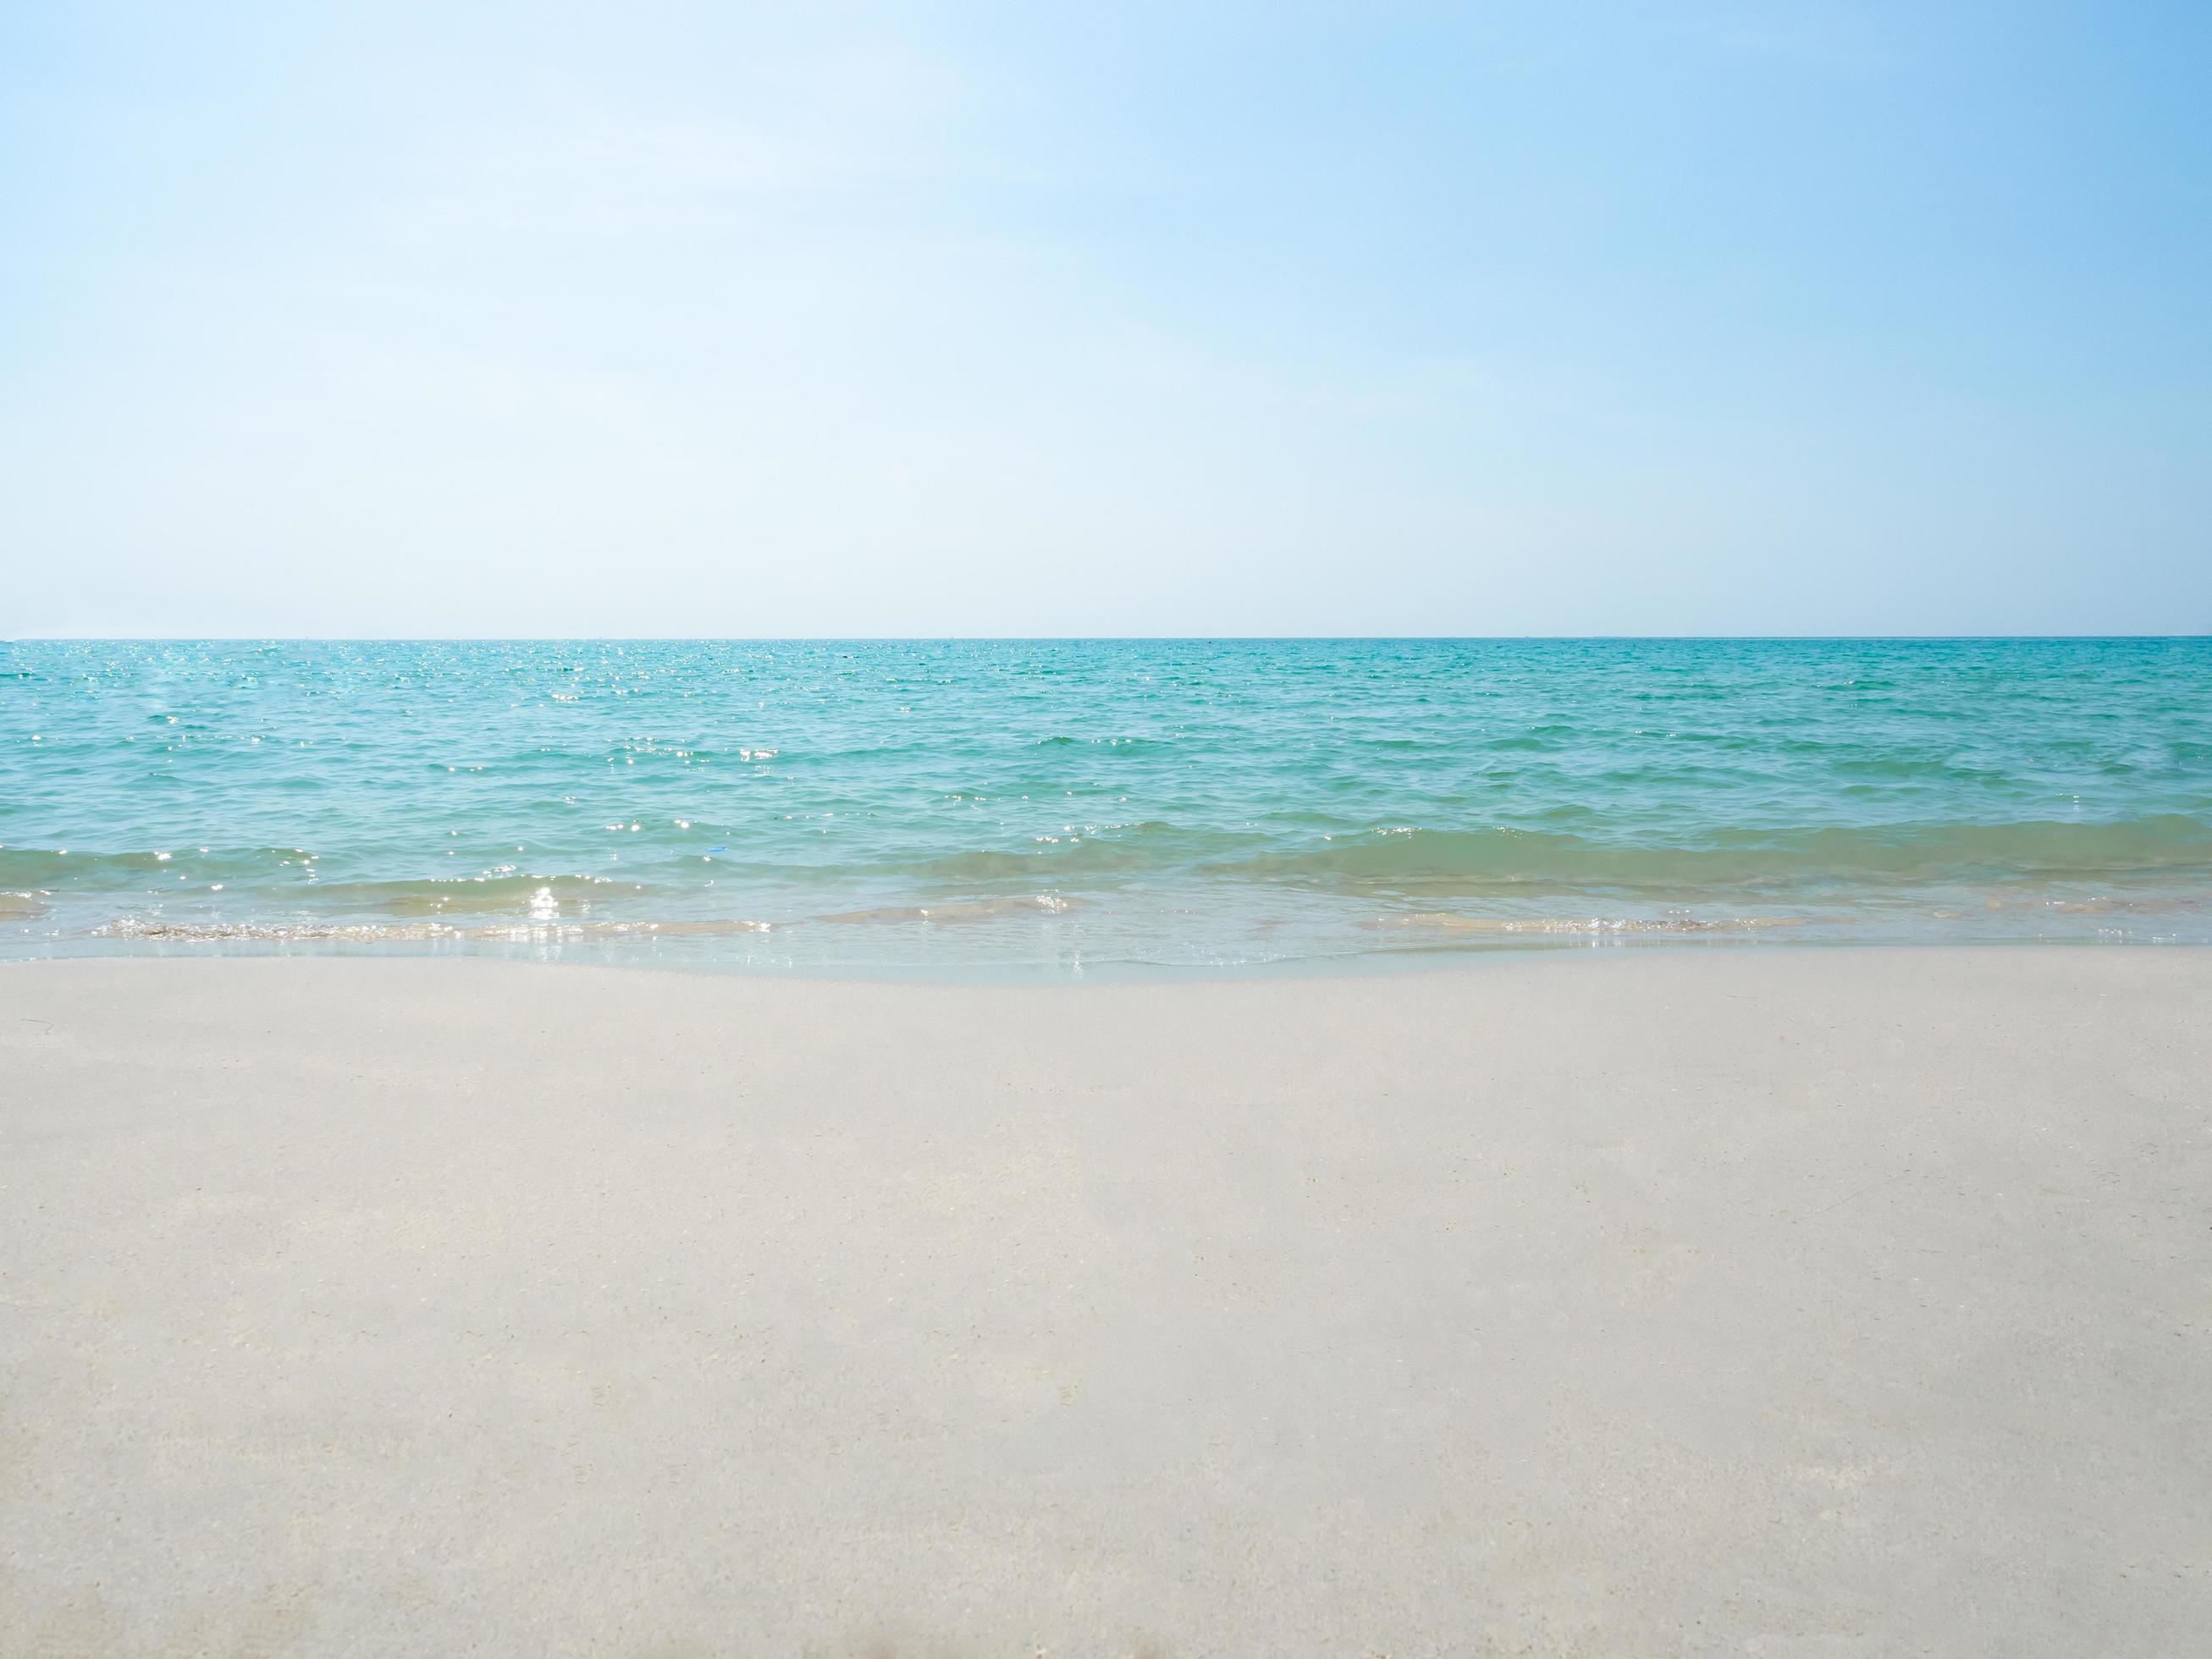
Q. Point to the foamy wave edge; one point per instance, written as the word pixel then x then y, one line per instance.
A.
pixel 1453 923
pixel 407 931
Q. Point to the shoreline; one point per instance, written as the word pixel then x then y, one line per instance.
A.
pixel 1392 962
pixel 1576 1300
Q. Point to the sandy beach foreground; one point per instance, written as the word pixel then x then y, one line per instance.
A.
pixel 1764 1301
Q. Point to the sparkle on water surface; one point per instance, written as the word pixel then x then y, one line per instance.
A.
pixel 1070 805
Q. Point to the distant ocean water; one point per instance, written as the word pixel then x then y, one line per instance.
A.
pixel 1073 805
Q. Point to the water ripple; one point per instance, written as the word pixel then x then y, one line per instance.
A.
pixel 835 803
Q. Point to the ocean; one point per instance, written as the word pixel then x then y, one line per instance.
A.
pixel 1063 808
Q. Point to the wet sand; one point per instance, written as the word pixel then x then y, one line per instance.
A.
pixel 1769 1301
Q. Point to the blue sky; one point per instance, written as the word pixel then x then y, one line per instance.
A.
pixel 1009 319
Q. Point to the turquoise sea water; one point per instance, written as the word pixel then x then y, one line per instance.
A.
pixel 1072 806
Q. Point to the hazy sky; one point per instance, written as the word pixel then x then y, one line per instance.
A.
pixel 1027 318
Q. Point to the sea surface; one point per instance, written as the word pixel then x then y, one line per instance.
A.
pixel 1068 807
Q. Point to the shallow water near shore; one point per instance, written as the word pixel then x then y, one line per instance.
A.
pixel 1072 806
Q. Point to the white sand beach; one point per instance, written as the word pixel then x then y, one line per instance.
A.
pixel 1751 1301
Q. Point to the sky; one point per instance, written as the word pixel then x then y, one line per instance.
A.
pixel 1119 319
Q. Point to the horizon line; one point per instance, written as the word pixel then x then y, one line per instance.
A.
pixel 1076 639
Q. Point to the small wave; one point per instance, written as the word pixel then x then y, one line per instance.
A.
pixel 1413 857
pixel 1120 746
pixel 388 932
pixel 2102 904
pixel 1451 922
pixel 540 896
pixel 273 933
pixel 1076 853
pixel 13 906
pixel 972 910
